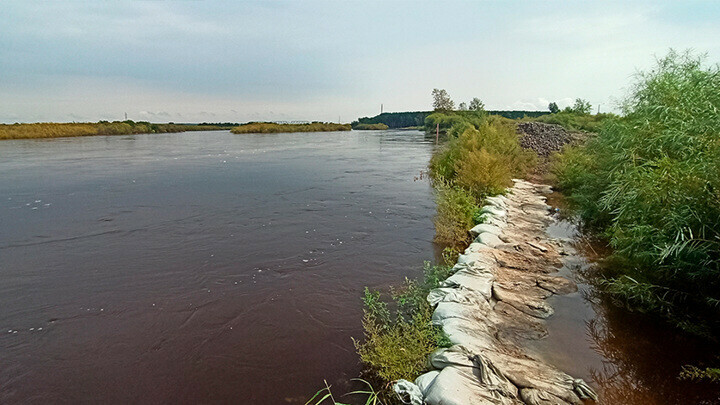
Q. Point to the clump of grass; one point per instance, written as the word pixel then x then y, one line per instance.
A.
pixel 325 395
pixel 649 182
pixel 456 211
pixel 270 127
pixel 695 373
pixel 397 343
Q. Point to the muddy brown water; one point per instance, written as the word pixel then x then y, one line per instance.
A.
pixel 200 267
pixel 629 358
pixel 208 267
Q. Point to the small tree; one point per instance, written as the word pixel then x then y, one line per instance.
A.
pixel 476 105
pixel 442 101
pixel 553 107
pixel 581 106
pixel 463 106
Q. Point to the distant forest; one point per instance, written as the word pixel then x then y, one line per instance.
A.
pixel 417 118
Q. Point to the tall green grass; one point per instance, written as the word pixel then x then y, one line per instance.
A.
pixel 397 342
pixel 650 181
pixel 481 161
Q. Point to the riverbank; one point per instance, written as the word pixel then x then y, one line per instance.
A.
pixel 64 130
pixel 271 127
pixel 648 183
pixel 495 302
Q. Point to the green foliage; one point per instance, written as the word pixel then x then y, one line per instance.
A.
pixel 553 108
pixel 270 127
pixel 442 101
pixel 397 119
pixel 398 345
pixel 456 210
pixel 480 161
pixel 372 127
pixel 457 121
pixel 581 107
pixel 696 373
pixel 483 158
pixel 325 395
pixel 476 105
pixel 417 118
pixel 650 182
pixel 574 121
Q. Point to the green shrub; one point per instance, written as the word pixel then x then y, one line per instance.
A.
pixel 397 345
pixel 456 210
pixel 482 159
pixel 650 182
pixel 457 121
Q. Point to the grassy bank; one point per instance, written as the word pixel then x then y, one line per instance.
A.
pixel 479 158
pixel 370 127
pixel 270 127
pixel 58 130
pixel 650 184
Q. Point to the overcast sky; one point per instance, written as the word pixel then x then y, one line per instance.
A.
pixel 194 61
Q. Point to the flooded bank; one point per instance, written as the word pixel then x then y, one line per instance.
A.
pixel 200 267
pixel 629 358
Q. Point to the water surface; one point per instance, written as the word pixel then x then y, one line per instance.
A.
pixel 200 267
pixel 629 358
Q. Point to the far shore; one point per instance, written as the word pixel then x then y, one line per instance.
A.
pixel 62 130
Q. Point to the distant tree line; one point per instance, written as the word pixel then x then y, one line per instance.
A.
pixel 417 118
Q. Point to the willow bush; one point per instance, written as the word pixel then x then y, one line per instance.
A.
pixel 481 161
pixel 397 343
pixel 650 181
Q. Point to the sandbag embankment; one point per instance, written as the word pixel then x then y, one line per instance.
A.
pixel 494 303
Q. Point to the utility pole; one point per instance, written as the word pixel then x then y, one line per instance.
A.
pixel 598 109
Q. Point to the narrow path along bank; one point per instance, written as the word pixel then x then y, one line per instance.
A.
pixel 492 304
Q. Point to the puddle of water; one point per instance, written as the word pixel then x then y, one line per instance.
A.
pixel 629 358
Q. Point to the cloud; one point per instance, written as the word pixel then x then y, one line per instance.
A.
pixel 317 60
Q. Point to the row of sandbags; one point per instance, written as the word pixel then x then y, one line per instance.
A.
pixel 481 367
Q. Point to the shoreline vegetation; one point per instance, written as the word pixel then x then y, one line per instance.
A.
pixel 369 127
pixel 480 156
pixel 649 185
pixel 128 127
pixel 645 181
pixel 271 127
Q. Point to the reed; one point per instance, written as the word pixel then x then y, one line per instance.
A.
pixel 270 127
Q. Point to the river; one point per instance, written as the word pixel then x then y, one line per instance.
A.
pixel 207 267
pixel 201 266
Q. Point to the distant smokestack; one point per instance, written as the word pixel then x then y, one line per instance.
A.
pixel 381 108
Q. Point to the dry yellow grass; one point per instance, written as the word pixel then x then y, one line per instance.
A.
pixel 58 130
pixel 46 130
